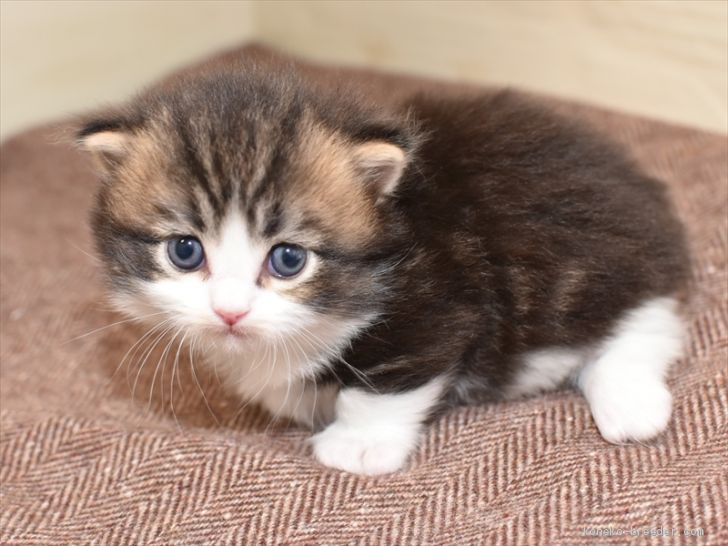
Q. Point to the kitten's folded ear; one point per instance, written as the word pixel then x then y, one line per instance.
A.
pixel 383 151
pixel 108 139
pixel 381 164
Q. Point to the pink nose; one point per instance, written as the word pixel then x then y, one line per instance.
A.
pixel 230 317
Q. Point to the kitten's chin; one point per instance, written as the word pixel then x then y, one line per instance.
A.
pixel 238 335
pixel 233 334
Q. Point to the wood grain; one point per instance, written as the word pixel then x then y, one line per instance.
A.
pixel 666 59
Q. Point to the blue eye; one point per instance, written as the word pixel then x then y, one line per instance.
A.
pixel 185 253
pixel 286 260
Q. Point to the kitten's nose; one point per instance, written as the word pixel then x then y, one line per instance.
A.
pixel 230 317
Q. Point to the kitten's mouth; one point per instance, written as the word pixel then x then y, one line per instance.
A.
pixel 231 334
pixel 236 333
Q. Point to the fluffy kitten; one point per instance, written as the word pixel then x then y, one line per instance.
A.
pixel 359 270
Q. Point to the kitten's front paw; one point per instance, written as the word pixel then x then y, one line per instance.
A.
pixel 637 412
pixel 362 451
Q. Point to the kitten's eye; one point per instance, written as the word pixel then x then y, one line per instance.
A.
pixel 185 253
pixel 286 260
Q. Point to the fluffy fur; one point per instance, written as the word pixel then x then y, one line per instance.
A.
pixel 459 250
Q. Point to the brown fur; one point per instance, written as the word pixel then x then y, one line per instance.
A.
pixel 509 230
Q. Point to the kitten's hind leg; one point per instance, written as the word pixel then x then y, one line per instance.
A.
pixel 625 383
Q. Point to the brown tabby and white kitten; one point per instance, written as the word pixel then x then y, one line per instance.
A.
pixel 359 270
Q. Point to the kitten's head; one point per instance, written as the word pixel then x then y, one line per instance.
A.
pixel 245 206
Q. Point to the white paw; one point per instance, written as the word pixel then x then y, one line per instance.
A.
pixel 370 451
pixel 637 412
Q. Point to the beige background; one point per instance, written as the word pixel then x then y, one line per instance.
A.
pixel 665 59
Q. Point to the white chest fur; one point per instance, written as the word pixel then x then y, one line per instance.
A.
pixel 279 373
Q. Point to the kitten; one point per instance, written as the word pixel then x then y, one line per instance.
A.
pixel 359 270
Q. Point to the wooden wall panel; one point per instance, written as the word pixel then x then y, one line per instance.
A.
pixel 667 59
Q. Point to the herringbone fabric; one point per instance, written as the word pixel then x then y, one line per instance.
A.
pixel 83 461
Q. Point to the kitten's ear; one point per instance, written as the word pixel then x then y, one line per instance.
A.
pixel 381 164
pixel 108 141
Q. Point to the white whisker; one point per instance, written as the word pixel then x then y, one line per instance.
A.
pixel 204 398
pixel 304 380
pixel 134 319
pixel 135 344
pixel 175 364
pixel 163 363
pixel 164 324
pixel 146 357
pixel 361 375
pixel 252 398
pixel 313 406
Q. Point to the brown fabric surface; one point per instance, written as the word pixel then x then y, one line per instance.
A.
pixel 82 461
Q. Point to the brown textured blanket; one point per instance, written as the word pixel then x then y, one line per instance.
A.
pixel 88 455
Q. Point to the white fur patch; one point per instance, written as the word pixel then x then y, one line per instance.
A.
pixel 375 433
pixel 303 401
pixel 625 383
pixel 545 370
pixel 271 370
